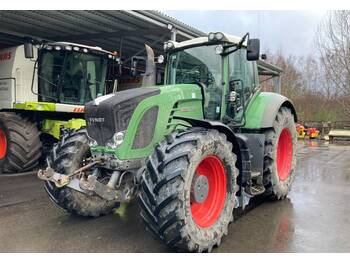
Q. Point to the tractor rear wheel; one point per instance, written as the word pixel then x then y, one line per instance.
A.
pixel 188 189
pixel 67 156
pixel 280 155
pixel 20 145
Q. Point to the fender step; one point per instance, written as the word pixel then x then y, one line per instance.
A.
pixel 255 190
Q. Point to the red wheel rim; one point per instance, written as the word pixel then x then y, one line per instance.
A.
pixel 3 144
pixel 284 154
pixel 205 214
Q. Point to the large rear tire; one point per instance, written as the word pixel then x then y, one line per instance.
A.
pixel 187 193
pixel 20 145
pixel 280 155
pixel 67 156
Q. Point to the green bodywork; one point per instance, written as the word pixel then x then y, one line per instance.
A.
pixel 263 108
pixel 174 100
pixel 188 101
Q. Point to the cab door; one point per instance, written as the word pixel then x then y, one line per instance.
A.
pixel 242 84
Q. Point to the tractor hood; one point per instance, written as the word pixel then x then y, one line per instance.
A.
pixel 111 113
pixel 126 125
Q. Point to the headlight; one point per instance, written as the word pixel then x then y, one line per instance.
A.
pixel 160 59
pixel 76 48
pixel 68 48
pixel 219 36
pixel 58 48
pixel 168 45
pixel 211 36
pixel 219 49
pixel 85 50
pixel 49 47
pixel 116 140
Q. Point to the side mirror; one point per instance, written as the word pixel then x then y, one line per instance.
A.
pixel 28 50
pixel 253 49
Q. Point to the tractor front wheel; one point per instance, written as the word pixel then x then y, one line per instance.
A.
pixel 68 155
pixel 20 145
pixel 280 155
pixel 188 190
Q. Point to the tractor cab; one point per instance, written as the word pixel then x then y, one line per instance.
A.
pixel 224 66
pixel 227 68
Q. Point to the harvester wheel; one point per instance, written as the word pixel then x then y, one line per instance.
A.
pixel 187 191
pixel 280 155
pixel 66 156
pixel 20 145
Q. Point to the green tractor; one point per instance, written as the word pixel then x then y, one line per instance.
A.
pixel 191 151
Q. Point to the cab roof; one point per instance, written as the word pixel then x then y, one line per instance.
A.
pixel 94 48
pixel 202 40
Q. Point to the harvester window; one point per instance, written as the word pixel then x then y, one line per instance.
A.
pixel 50 67
pixel 199 64
pixel 70 77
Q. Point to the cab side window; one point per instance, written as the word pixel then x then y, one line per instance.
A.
pixel 236 85
pixel 249 78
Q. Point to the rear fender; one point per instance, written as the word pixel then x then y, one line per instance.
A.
pixel 262 110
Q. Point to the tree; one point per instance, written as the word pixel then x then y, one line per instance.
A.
pixel 333 43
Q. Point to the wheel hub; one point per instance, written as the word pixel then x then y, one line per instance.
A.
pixel 208 191
pixel 200 188
pixel 3 144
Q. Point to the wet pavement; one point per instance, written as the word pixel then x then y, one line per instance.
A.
pixel 314 218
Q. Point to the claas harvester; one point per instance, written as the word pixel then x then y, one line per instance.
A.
pixel 191 151
pixel 43 88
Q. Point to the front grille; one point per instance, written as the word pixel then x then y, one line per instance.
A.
pixel 113 114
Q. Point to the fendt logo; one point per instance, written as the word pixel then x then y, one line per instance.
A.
pixel 5 56
pixel 96 119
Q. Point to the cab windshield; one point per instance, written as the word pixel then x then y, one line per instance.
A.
pixel 70 77
pixel 199 65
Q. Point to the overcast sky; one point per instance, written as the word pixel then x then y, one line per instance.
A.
pixel 293 32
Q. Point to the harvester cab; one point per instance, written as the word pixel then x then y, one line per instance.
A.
pixel 69 73
pixel 192 150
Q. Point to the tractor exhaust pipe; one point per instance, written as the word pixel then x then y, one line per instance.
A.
pixel 149 78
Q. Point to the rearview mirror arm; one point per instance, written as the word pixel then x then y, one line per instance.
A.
pixel 238 46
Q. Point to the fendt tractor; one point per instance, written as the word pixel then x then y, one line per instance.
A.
pixel 42 91
pixel 192 151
